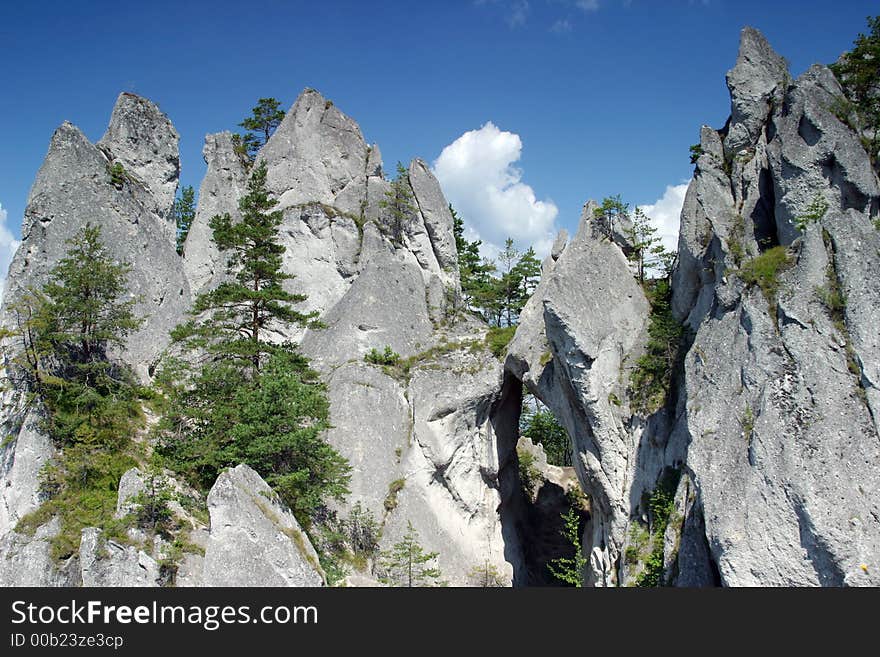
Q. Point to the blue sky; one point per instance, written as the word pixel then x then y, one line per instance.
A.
pixel 595 97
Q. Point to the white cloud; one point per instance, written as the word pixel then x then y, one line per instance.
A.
pixel 8 245
pixel 587 5
pixel 665 214
pixel 478 177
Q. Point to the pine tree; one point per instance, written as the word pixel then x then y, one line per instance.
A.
pixel 507 284
pixel 570 570
pixel 240 310
pixel 609 214
pixel 184 214
pixel 280 428
pixel 859 74
pixel 407 564
pixel 475 272
pixel 486 575
pixel 400 203
pixel 260 125
pixel 542 427
pixel 88 403
pixel 527 273
pixel 249 400
pixel 648 251
pixel 63 331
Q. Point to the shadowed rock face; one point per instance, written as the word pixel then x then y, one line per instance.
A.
pixel 585 320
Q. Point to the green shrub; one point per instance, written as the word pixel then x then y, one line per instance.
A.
pixel 814 212
pixel 544 429
pixel 363 531
pixel 529 475
pixel 651 379
pixel 660 504
pixel 118 176
pixel 497 339
pixel 570 570
pixel 736 240
pixel 764 272
pixel 393 489
pixel 387 357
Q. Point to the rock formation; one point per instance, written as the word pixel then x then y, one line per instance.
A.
pixel 777 422
pixel 765 454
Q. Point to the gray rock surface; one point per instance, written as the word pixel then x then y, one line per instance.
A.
pixel 109 564
pixel 450 466
pixel 585 320
pixel 434 209
pixel 373 442
pixel 778 413
pixel 254 539
pixel 224 184
pixel 314 154
pixel 756 83
pixel 72 188
pixel 143 140
pixel 385 306
pixel 21 461
pixel 27 560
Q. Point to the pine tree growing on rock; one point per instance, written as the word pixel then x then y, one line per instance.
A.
pixel 247 399
pixel 407 564
pixel 260 125
pixel 859 75
pixel 475 271
pixel 238 312
pixel 88 402
pixel 184 214
pixel 400 204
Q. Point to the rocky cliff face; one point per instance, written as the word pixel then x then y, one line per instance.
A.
pixel 770 436
pixel 777 422
pixel 764 458
pixel 419 437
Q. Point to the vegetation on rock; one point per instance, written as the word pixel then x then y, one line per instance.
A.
pixel 407 564
pixel 184 214
pixel 241 398
pixel 89 403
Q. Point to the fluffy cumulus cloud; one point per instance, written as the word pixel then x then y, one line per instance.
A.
pixel 665 213
pixel 8 245
pixel 478 175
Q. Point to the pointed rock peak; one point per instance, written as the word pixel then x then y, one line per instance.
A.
pixel 374 161
pixel 67 132
pixel 311 102
pixel 752 41
pixel 759 75
pixel 314 154
pixel 142 139
pixel 219 152
pixel 435 210
pixel 756 58
pixel 559 244
pixel 588 214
